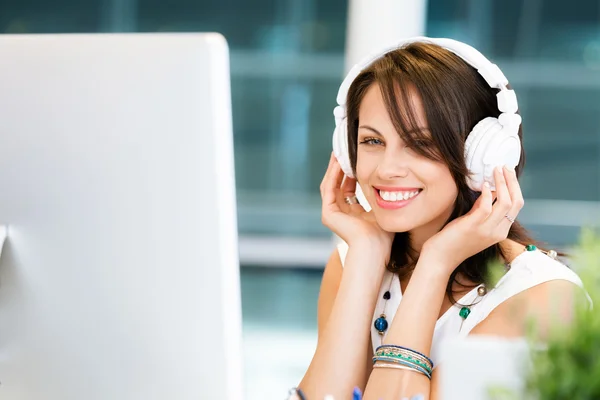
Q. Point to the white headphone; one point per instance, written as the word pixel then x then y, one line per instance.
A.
pixel 492 142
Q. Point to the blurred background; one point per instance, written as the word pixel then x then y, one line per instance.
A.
pixel 288 58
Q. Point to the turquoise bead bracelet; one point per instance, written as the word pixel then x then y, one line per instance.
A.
pixel 383 347
pixel 407 356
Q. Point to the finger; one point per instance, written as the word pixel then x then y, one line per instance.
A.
pixel 332 176
pixel 512 182
pixel 483 205
pixel 348 191
pixel 503 202
pixel 341 194
pixel 328 170
pixel 475 206
pixel 349 187
pixel 331 185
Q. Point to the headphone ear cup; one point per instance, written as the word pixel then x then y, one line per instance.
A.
pixel 493 145
pixel 475 136
pixel 340 147
pixel 502 149
pixel 476 147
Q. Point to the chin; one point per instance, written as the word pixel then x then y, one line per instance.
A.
pixel 397 224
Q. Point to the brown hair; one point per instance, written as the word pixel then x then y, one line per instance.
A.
pixel 454 97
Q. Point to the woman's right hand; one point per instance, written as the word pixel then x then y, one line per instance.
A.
pixel 351 222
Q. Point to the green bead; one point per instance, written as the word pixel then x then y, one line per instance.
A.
pixel 530 247
pixel 464 312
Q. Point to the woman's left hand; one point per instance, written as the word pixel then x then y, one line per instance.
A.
pixel 486 224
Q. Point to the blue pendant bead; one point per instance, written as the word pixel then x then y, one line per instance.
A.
pixel 381 324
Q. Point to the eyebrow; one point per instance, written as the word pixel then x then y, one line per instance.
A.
pixel 375 131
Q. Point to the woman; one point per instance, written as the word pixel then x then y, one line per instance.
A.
pixel 433 137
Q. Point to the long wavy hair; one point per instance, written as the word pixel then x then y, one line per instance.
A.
pixel 455 97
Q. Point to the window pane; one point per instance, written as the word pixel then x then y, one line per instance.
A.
pixel 550 51
pixel 286 65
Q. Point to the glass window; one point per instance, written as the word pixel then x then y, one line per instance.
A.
pixel 550 51
pixel 286 63
pixel 287 60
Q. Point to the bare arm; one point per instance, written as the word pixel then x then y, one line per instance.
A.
pixel 344 325
pixel 330 283
pixel 332 277
pixel 412 327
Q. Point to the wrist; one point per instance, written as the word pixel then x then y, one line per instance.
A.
pixel 365 265
pixel 442 254
pixel 375 248
pixel 435 266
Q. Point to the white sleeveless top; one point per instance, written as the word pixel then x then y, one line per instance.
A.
pixel 527 270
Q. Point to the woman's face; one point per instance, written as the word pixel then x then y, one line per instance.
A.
pixel 407 191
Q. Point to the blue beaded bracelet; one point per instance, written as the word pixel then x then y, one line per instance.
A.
pixel 383 346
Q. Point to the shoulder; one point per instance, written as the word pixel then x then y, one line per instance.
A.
pixel 537 289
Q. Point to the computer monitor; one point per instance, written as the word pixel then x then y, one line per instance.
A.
pixel 119 278
pixel 491 365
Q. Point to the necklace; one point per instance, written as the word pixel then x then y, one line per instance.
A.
pixel 381 323
pixel 482 290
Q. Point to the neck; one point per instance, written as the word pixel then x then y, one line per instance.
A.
pixel 511 249
pixel 418 236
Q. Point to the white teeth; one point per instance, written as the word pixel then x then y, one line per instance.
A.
pixel 397 196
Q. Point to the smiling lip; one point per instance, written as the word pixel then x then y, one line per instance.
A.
pixel 393 205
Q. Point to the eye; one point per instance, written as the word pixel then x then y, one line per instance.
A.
pixel 423 143
pixel 371 141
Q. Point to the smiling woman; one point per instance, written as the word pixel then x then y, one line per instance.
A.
pixel 390 158
pixel 430 130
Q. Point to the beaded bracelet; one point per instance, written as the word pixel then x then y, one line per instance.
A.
pixel 408 364
pixel 406 356
pixel 416 353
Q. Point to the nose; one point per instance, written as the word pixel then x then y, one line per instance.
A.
pixel 393 164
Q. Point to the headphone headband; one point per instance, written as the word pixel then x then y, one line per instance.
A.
pixel 491 142
pixel 492 74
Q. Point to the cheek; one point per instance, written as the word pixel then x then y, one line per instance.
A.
pixel 365 166
pixel 443 187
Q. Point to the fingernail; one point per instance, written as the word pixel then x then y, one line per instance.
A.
pixel 499 169
pixel 486 184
